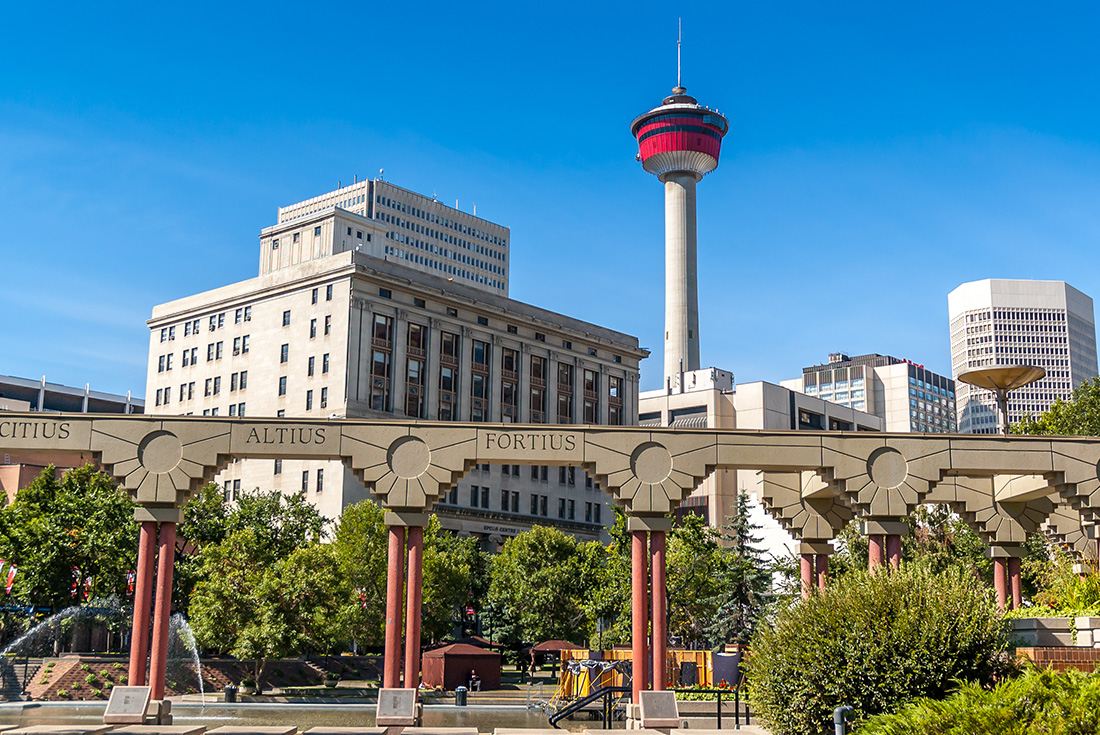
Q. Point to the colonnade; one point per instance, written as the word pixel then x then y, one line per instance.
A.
pixel 156 550
pixel 405 568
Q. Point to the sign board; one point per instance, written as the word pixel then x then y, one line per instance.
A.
pixel 127 706
pixel 659 710
pixel 396 707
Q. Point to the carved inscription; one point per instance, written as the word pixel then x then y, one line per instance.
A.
pixel 534 441
pixel 34 429
pixel 290 435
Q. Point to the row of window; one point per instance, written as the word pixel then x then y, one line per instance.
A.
pixel 383 201
pixel 539 504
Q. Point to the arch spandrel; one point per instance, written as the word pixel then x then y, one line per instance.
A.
pixel 650 472
pixel 883 476
pixel 804 505
pixel 1077 463
pixel 408 465
pixel 1067 527
pixel 161 462
pixel 1002 509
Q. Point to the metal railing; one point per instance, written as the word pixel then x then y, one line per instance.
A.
pixel 718 713
pixel 607 707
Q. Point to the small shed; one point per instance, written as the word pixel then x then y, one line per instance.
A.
pixel 450 666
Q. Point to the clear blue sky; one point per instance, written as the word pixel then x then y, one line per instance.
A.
pixel 878 156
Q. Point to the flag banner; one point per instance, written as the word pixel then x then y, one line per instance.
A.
pixel 11 579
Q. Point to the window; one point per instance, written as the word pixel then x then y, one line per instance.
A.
pixel 597 507
pixel 358 234
pixel 540 337
pixel 240 409
pixel 244 344
pixel 328 293
pixel 281 413
pixel 324 363
pixel 572 511
pixel 309 366
pixel 309 400
pixel 320 480
pixel 164 334
pixel 534 505
pixel 534 472
pixel 238 316
pixel 236 345
pixel 474 496
pixel 419 302
pixel 282 386
pixel 328 324
pixel 484 497
pixel 160 395
pixel 561 508
pixel 209 352
pixel 317 231
pixel 278 467
pixel 232 382
pixel 452 312
pixel 284 353
pixel 543 505
pixel 217 385
pixel 588 512
pixel 385 293
pixel 512 329
pixel 313 297
pixel 567 344
pixel 324 397
pixel 209 385
pixel 305 480
pixel 248 313
pixel 483 321
pixel 592 351
pixel 312 328
pixel 244 379
pixel 232 409
pixel 286 318
pixel 160 364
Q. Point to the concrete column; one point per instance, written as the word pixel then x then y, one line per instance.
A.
pixel 431 368
pixel 999 581
pixel 822 571
pixel 395 576
pixel 893 550
pixel 603 394
pixel 494 387
pixel 1015 582
pixel 166 557
pixel 876 553
pixel 412 610
pixel 400 369
pixel 806 567
pixel 552 388
pixel 660 608
pixel 523 385
pixel 639 573
pixel 143 598
pixel 681 285
pixel 465 377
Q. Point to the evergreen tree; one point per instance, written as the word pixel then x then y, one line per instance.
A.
pixel 746 588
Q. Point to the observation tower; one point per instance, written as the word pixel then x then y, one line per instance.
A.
pixel 678 143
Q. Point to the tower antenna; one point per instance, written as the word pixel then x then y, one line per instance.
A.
pixel 679 39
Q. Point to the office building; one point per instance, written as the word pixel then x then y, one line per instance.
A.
pixel 1048 324
pixel 905 395
pixel 21 395
pixel 390 223
pixel 356 334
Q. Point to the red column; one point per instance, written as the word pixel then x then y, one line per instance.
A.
pixel 660 611
pixel 166 558
pixel 822 570
pixel 639 573
pixel 893 550
pixel 1015 582
pixel 999 582
pixel 412 609
pixel 806 566
pixel 875 553
pixel 395 576
pixel 143 598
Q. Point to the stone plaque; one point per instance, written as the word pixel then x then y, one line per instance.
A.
pixel 285 439
pixel 127 706
pixel 658 709
pixel 396 707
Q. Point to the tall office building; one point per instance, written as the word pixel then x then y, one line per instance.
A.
pixel 391 223
pixel 349 332
pixel 1048 324
pixel 905 395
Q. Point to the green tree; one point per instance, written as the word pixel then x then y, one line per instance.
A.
pixel 55 526
pixel 1079 416
pixel 537 587
pixel 253 606
pixel 745 591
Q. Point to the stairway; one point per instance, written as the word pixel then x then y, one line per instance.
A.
pixel 12 673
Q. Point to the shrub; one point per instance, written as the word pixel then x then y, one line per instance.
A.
pixel 63 693
pixel 1040 701
pixel 875 642
pixel 76 687
pixel 97 693
pixel 117 665
pixel 89 679
pixel 85 667
pixel 123 679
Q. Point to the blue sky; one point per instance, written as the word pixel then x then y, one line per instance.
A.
pixel 878 156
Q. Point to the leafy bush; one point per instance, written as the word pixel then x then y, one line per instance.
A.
pixel 85 667
pixel 117 665
pixel 89 679
pixel 97 693
pixel 63 693
pixel 76 687
pixel 123 679
pixel 875 642
pixel 1040 701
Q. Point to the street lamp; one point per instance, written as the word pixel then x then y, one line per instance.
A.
pixel 1002 379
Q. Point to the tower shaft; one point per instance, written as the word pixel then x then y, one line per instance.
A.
pixel 681 280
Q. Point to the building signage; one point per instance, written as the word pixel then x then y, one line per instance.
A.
pixel 529 441
pixel 34 429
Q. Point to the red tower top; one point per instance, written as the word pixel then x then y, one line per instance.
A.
pixel 680 135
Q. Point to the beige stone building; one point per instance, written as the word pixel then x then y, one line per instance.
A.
pixel 709 399
pixel 346 333
pixel 907 396
pixel 996 321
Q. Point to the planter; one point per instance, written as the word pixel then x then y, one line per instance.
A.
pixel 1044 632
pixel 331 682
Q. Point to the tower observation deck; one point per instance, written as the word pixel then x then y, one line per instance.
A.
pixel 679 142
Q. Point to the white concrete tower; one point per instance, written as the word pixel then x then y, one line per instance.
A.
pixel 679 142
